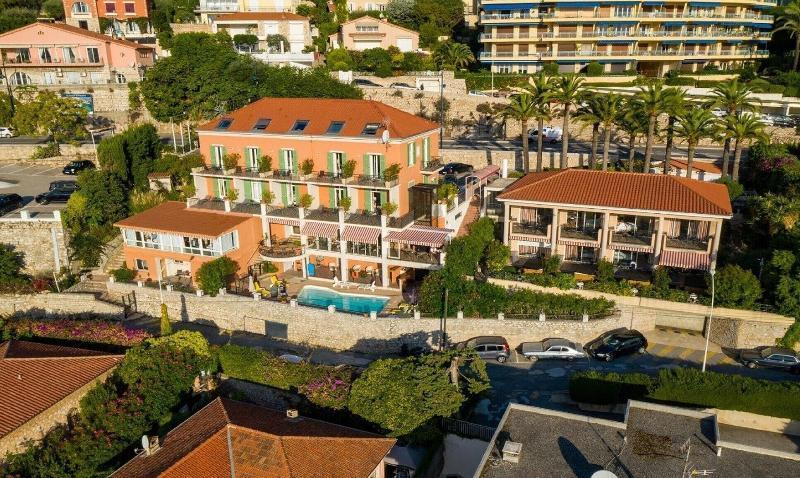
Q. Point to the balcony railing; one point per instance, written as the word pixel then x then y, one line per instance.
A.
pixel 325 214
pixel 565 16
pixel 634 53
pixel 433 165
pixel 530 229
pixel 323 244
pixel 584 234
pixel 644 238
pixel 409 255
pixel 281 250
pixel 691 243
pixel 218 6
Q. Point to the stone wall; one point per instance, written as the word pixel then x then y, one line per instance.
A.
pixel 737 333
pixel 479 158
pixel 53 304
pixel 42 241
pixel 344 331
pixel 38 426
pixel 21 153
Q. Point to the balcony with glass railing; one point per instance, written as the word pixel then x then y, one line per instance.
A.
pixel 539 229
pixel 211 6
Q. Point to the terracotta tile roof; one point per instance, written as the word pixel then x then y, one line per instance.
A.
pixel 267 16
pixel 697 165
pixel 228 438
pixel 617 190
pixel 320 112
pixel 175 217
pixel 34 377
pixel 82 32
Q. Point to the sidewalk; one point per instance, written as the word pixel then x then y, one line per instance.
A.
pixel 685 346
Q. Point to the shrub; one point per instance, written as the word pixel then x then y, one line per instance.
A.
pixel 735 189
pixel 267 197
pixel 736 287
pixel 552 264
pixel 50 150
pixel 392 172
pixel 605 271
pixel 550 68
pixel 681 81
pixel 345 203
pixel 245 40
pixel 232 194
pixel 331 390
pixel 166 327
pixel 265 164
pixel 306 200
pixel 243 363
pixel 348 168
pixel 123 274
pixel 602 388
pixel 307 166
pixel 594 69
pixel 94 331
pixel 388 208
pixel 230 161
pixel 11 263
pixel 213 276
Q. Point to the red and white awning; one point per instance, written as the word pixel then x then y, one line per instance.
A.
pixel 685 260
pixel 321 229
pixel 420 237
pixel 577 242
pixel 630 247
pixel 286 221
pixel 367 235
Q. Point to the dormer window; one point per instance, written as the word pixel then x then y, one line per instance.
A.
pixel 261 124
pixel 371 129
pixel 335 127
pixel 224 123
pixel 299 126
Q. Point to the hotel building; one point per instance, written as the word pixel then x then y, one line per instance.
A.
pixel 650 37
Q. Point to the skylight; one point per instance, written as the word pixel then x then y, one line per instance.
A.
pixel 335 127
pixel 224 123
pixel 261 124
pixel 371 129
pixel 299 126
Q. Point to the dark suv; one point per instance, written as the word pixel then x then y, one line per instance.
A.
pixel 68 185
pixel 56 195
pixel 488 347
pixel 76 167
pixel 771 357
pixel 9 202
pixel 616 343
pixel 456 168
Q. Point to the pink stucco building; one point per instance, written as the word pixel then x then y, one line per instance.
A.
pixel 368 32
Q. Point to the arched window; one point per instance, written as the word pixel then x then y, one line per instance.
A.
pixel 20 78
pixel 80 7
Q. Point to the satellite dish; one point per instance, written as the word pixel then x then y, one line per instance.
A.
pixel 603 474
pixel 145 443
pixel 385 136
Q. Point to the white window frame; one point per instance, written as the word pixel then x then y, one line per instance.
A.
pixel 289 156
pixel 412 153
pixel 216 160
pixel 375 164
pixel 338 162
pixel 251 156
pixel 92 54
pixel 141 265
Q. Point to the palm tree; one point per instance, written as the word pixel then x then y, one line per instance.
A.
pixel 541 88
pixel 653 99
pixel 789 20
pixel 633 122
pixel 568 91
pixel 742 128
pixel 610 110
pixel 454 55
pixel 732 96
pixel 522 108
pixel 692 126
pixel 589 113
pixel 674 104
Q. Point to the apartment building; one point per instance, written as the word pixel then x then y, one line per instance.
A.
pixel 208 9
pixel 52 54
pixel 637 221
pixel 651 37
pixel 295 29
pixel 122 18
pixel 368 32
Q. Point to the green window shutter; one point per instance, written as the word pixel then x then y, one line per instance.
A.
pixel 295 162
pixel 224 152
pixel 426 151
pixel 248 190
pixel 367 166
pixel 383 165
pixel 384 197
pixel 367 200
pixel 284 195
pixel 229 185
pixel 211 159
pixel 215 183
pixel 330 163
pixel 409 154
pixel 332 197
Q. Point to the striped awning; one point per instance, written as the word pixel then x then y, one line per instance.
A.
pixel 419 237
pixel 631 248
pixel 286 221
pixel 321 229
pixel 530 240
pixel 577 242
pixel 367 235
pixel 685 260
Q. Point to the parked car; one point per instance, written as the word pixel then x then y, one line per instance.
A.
pixel 719 112
pixel 488 347
pixel 551 134
pixel 364 83
pixel 56 195
pixel 73 185
pixel 401 86
pixel 552 349
pixel 771 357
pixel 7 132
pixel 76 167
pixel 616 343
pixel 9 202
pixel 476 93
pixel 783 121
pixel 456 168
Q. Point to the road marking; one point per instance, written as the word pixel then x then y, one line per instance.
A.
pixel 18 171
pixel 46 172
pixel 697 356
pixel 666 350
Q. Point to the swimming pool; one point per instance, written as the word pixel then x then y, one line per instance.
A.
pixel 355 303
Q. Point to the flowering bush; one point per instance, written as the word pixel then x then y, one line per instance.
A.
pixel 100 331
pixel 331 390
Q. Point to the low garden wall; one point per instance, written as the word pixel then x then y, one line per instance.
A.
pixel 54 304
pixel 343 331
pixel 22 153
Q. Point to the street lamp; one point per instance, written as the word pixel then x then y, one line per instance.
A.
pixel 4 76
pixel 710 316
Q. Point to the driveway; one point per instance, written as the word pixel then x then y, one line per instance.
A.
pixel 30 180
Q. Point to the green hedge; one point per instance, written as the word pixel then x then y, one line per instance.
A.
pixel 681 81
pixel 601 388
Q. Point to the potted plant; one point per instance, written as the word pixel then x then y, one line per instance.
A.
pixel 344 204
pixel 267 197
pixel 306 200
pixel 348 168
pixel 388 208
pixel 391 174
pixel 446 193
pixel 307 167
pixel 232 195
pixel 265 166
pixel 230 162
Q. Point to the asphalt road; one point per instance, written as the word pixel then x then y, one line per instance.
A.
pixel 28 181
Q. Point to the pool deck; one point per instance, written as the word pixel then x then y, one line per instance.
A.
pixel 294 284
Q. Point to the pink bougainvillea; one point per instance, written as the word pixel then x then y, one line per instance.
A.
pixel 330 390
pixel 100 331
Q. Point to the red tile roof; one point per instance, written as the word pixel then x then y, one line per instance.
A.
pixel 175 217
pixel 651 192
pixel 267 16
pixel 228 438
pixel 284 112
pixel 34 377
pixel 696 165
pixel 83 32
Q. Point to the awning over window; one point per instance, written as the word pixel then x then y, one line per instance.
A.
pixel 577 242
pixel 286 221
pixel 631 248
pixel 685 260
pixel 420 237
pixel 367 235
pixel 321 229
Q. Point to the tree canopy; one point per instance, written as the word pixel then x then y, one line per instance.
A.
pixel 45 113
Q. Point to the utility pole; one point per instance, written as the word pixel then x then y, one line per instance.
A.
pixel 441 110
pixel 3 75
pixel 710 316
pixel 443 340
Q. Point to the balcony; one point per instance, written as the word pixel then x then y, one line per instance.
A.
pixel 541 230
pixel 323 244
pixel 433 166
pixel 689 243
pixel 583 234
pixel 639 238
pixel 325 214
pixel 363 218
pixel 410 255
pixel 218 6
pixel 281 251
pixel 290 212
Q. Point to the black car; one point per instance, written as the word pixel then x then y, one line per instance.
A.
pixel 456 168
pixel 616 343
pixel 771 357
pixel 364 83
pixel 9 202
pixel 69 185
pixel 56 195
pixel 75 167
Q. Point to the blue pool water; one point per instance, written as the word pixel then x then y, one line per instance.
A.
pixel 358 304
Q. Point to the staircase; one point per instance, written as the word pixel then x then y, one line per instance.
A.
pixel 115 257
pixel 472 214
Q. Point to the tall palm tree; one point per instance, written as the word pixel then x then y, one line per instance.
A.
pixel 453 54
pixel 789 20
pixel 674 104
pixel 633 122
pixel 589 113
pixel 611 109
pixel 522 108
pixel 541 88
pixel 742 128
pixel 693 126
pixel 653 99
pixel 732 96
pixel 568 91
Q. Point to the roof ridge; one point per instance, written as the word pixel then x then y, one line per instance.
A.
pixel 187 455
pixel 22 359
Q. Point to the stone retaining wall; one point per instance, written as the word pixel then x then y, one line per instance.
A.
pixel 21 153
pixel 53 304
pixel 344 331
pixel 43 242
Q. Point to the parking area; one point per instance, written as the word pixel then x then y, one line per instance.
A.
pixel 28 181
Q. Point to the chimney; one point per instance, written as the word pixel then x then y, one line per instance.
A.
pixel 511 451
pixel 150 444
pixel 292 413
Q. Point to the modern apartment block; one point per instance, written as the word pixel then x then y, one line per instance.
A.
pixel 651 37
pixel 210 8
pixel 121 18
pixel 637 221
